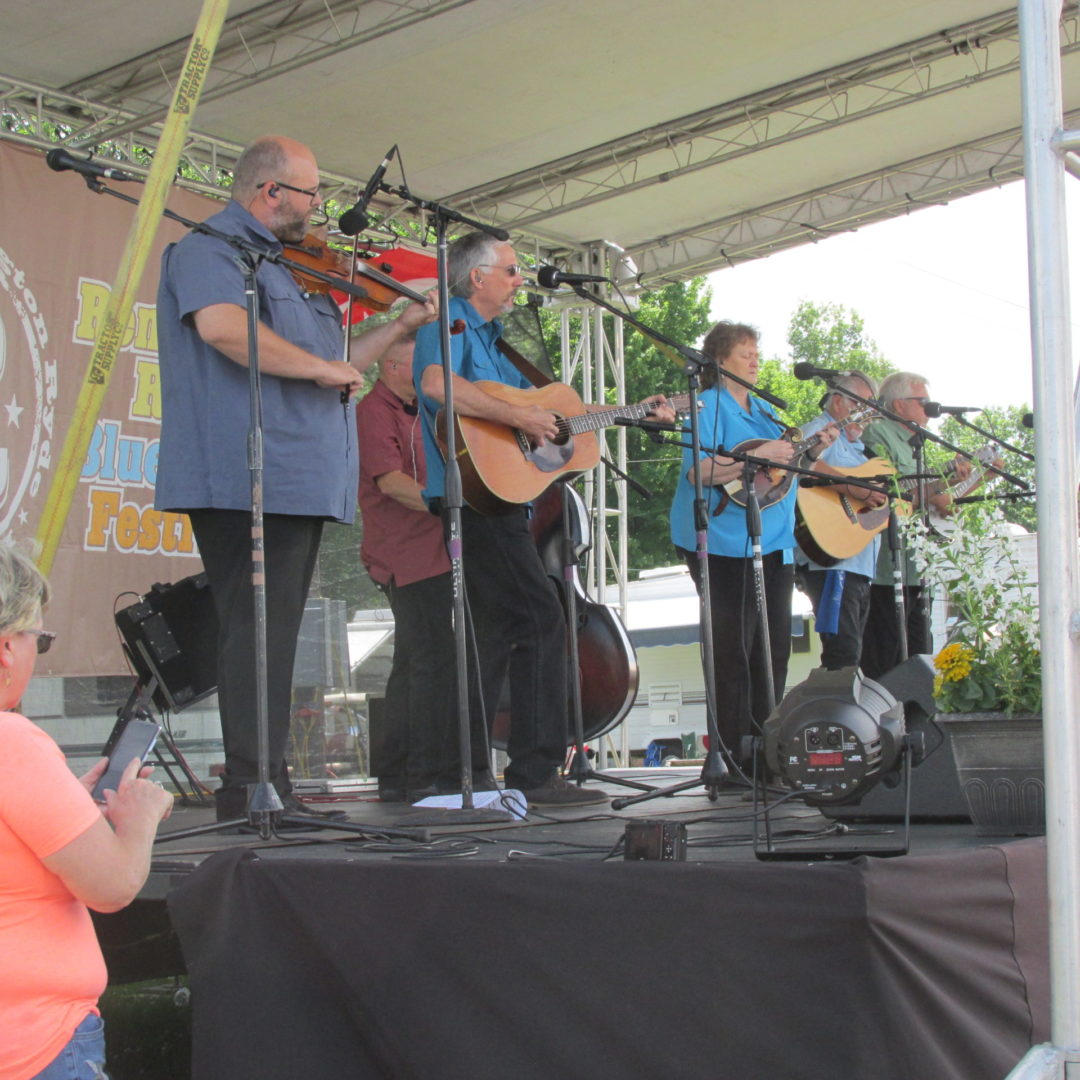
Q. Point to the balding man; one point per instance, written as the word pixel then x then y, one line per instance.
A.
pixel 310 459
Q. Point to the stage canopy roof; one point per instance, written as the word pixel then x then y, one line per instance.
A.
pixel 694 135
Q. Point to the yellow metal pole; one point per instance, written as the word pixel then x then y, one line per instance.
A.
pixel 132 264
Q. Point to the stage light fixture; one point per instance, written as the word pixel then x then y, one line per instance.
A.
pixel 839 733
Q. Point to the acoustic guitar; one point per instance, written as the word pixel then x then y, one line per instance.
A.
pixel 830 526
pixel 501 469
pixel 986 457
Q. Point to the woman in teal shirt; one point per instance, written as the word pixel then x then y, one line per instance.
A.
pixel 729 415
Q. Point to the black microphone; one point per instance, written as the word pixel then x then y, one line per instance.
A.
pixel 60 160
pixel 551 277
pixel 935 408
pixel 646 425
pixel 1028 420
pixel 805 370
pixel 352 221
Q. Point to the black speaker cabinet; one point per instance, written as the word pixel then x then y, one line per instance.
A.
pixel 170 634
pixel 935 794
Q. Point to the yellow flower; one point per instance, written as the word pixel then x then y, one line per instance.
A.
pixel 954 662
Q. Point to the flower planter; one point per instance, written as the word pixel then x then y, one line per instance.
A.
pixel 999 762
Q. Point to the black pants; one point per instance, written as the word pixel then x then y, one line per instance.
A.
pixel 421 695
pixel 290 547
pixel 843 648
pixel 742 700
pixel 881 642
pixel 520 632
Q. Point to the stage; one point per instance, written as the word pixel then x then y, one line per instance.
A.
pixel 534 950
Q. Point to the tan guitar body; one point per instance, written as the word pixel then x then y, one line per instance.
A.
pixel 830 527
pixel 499 469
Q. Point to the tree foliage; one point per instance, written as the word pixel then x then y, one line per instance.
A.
pixel 828 336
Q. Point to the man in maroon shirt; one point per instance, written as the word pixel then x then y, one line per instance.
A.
pixel 404 551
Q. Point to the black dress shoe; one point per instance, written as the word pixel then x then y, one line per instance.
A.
pixel 230 804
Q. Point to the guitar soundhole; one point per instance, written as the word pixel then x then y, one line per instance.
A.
pixel 553 455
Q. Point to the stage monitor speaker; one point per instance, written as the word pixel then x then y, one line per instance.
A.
pixel 935 794
pixel 171 634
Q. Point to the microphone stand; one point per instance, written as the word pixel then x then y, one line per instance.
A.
pixel 995 496
pixel 926 433
pixel 994 438
pixel 453 498
pixel 691 357
pixel 918 444
pixel 264 807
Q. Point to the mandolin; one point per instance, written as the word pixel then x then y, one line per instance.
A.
pixel 772 484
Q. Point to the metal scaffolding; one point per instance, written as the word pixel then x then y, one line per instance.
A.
pixel 1045 144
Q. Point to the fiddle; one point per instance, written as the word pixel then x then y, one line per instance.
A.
pixel 318 268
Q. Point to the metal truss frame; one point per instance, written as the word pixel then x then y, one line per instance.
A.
pixel 885 193
pixel 927 67
pixel 1047 143
pixel 270 40
pixel 600 362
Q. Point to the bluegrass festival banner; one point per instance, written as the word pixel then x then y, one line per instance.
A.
pixel 60 245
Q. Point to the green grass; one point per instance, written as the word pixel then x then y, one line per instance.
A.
pixel 148 1030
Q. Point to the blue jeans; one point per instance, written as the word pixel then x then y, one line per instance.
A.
pixel 84 1056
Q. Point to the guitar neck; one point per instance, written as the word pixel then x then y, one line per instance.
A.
pixel 856 417
pixel 606 417
pixel 961 487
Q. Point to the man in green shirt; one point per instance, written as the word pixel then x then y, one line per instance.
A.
pixel 905 394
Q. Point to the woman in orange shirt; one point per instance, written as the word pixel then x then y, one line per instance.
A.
pixel 60 854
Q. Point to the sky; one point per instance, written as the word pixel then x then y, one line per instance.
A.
pixel 943 292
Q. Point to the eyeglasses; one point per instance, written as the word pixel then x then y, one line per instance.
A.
pixel 311 193
pixel 511 271
pixel 45 638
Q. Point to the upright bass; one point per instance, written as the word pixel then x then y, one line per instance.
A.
pixel 607 663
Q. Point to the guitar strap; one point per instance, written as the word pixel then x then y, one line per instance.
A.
pixel 528 369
